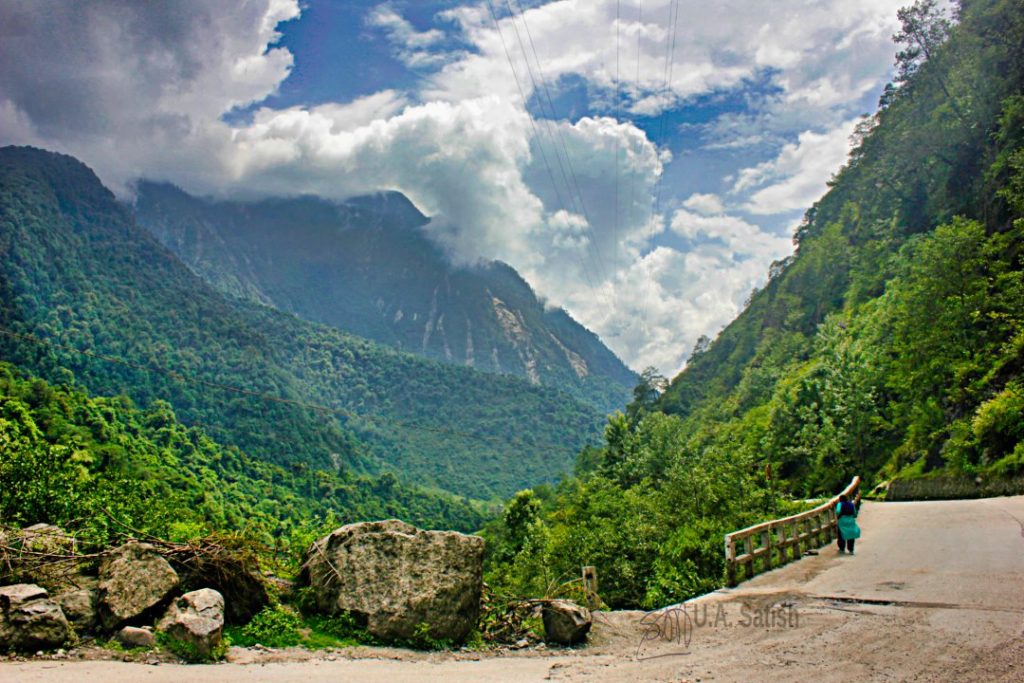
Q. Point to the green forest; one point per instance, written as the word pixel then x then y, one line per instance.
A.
pixel 87 293
pixel 891 344
pixel 94 465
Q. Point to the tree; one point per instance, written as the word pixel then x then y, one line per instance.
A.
pixel 924 27
pixel 645 394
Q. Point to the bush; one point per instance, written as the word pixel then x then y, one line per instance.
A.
pixel 275 626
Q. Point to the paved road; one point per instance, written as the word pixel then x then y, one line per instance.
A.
pixel 934 593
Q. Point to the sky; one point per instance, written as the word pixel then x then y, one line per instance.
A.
pixel 640 162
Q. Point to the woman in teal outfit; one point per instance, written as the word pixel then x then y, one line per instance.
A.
pixel 846 512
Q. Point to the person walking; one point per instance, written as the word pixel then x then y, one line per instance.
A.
pixel 846 514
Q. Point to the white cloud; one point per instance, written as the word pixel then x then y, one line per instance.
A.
pixel 412 47
pixel 820 54
pixel 141 89
pixel 795 178
pixel 704 203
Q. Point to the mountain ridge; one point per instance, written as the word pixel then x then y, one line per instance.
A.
pixel 366 266
pixel 78 273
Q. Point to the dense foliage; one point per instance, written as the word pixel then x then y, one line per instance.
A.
pixel 83 288
pixel 892 338
pixel 92 465
pixel 367 266
pixel 890 344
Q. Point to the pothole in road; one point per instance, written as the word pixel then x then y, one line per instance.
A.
pixel 882 602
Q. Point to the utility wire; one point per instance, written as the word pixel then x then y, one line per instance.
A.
pixel 639 33
pixel 532 123
pixel 618 114
pixel 522 95
pixel 670 50
pixel 593 252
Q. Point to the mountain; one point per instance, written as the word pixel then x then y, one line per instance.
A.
pixel 890 345
pixel 86 295
pixel 366 266
pixel 880 344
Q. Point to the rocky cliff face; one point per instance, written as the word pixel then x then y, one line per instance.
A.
pixel 366 266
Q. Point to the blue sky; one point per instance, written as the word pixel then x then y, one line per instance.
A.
pixel 664 154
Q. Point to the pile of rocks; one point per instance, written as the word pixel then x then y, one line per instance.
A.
pixel 135 595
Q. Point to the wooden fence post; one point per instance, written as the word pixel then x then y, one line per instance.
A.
pixel 590 587
pixel 730 561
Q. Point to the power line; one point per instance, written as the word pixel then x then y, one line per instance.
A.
pixel 639 33
pixel 533 124
pixel 270 398
pixel 522 95
pixel 670 50
pixel 574 190
pixel 618 114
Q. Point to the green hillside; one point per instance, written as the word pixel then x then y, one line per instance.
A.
pixel 884 339
pixel 69 459
pixel 366 266
pixel 890 344
pixel 84 289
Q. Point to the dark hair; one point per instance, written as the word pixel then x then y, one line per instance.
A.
pixel 843 498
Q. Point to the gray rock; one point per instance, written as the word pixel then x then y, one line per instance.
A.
pixel 565 622
pixel 79 605
pixel 196 619
pixel 44 538
pixel 30 621
pixel 134 580
pixel 238 579
pixel 13 597
pixel 394 577
pixel 132 636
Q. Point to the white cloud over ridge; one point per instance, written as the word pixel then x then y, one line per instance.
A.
pixel 795 178
pixel 141 89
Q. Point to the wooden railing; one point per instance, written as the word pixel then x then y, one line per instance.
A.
pixel 783 540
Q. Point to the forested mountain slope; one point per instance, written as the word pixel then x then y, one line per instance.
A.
pixel 70 459
pixel 83 288
pixel 365 266
pixel 885 339
pixel 890 344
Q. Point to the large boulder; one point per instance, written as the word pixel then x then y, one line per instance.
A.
pixel 30 621
pixel 196 620
pixel 565 622
pixel 135 580
pixel 393 578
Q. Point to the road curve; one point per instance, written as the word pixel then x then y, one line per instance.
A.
pixel 935 592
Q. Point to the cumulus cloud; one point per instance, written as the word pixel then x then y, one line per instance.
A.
pixel 136 88
pixel 795 178
pixel 142 89
pixel 412 47
pixel 623 46
pixel 704 203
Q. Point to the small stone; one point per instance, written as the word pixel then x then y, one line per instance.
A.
pixel 131 636
pixel 565 622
